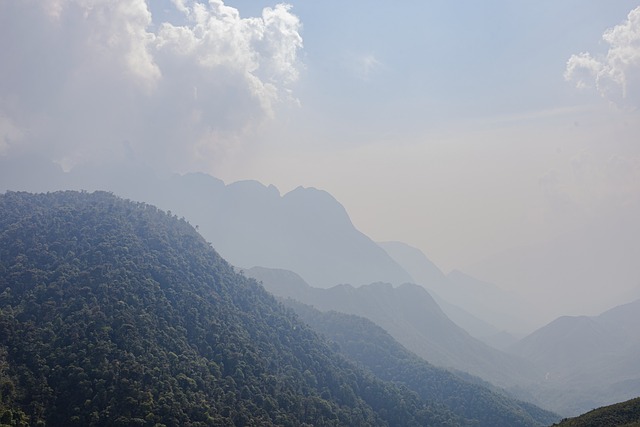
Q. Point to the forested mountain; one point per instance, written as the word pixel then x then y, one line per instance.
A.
pixel 589 361
pixel 413 318
pixel 624 414
pixel 372 347
pixel 305 230
pixel 116 313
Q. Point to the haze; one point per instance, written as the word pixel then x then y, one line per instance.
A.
pixel 499 138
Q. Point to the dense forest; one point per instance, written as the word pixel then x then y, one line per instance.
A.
pixel 374 349
pixel 624 414
pixel 114 313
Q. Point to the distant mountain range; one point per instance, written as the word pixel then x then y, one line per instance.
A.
pixel 412 317
pixel 589 361
pixel 113 312
pixel 575 363
pixel 309 232
pixel 305 230
pixel 496 314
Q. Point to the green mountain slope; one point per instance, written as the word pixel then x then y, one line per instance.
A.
pixel 625 414
pixel 113 313
pixel 371 346
pixel 414 319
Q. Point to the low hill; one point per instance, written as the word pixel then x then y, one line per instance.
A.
pixel 114 313
pixel 373 348
pixel 625 414
pixel 413 318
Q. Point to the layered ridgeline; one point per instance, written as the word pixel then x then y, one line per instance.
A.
pixel 372 347
pixel 413 318
pixel 589 361
pixel 488 312
pixel 116 313
pixel 305 230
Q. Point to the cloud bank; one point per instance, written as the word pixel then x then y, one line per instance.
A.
pixel 615 75
pixel 85 79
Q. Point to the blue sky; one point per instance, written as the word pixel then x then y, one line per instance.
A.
pixel 470 130
pixel 428 61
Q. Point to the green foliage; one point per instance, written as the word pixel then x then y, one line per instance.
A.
pixel 10 412
pixel 373 348
pixel 624 414
pixel 114 313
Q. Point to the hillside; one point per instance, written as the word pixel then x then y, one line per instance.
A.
pixel 305 230
pixel 498 310
pixel 589 361
pixel 413 318
pixel 624 414
pixel 371 346
pixel 116 313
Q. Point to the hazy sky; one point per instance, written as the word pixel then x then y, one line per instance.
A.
pixel 463 128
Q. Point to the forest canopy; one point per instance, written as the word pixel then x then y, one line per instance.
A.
pixel 113 312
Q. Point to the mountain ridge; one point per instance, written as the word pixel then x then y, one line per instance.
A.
pixel 372 347
pixel 113 312
pixel 413 318
pixel 252 224
pixel 589 360
pixel 499 310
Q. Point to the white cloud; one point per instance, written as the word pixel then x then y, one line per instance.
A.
pixel 88 77
pixel 615 75
pixel 261 51
pixel 111 31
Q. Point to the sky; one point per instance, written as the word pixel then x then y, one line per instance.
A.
pixel 471 130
